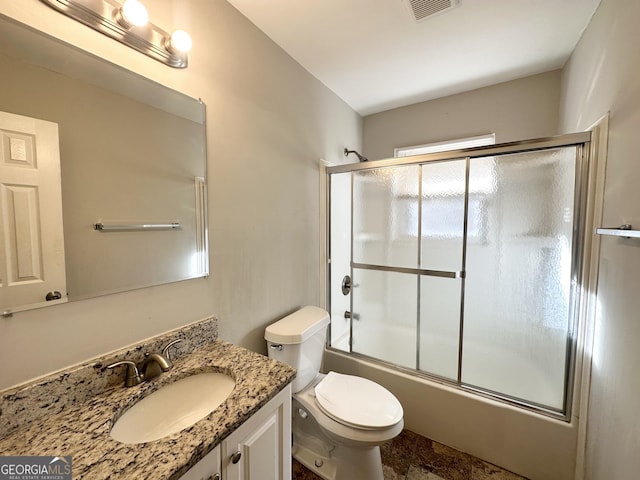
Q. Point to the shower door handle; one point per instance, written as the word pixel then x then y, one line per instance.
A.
pixel 346 285
pixel 348 314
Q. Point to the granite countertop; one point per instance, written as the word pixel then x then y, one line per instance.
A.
pixel 81 429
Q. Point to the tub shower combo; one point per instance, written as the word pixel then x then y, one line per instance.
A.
pixel 464 267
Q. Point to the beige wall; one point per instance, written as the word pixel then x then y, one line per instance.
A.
pixel 268 124
pixel 516 110
pixel 603 75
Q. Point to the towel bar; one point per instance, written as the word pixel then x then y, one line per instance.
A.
pixel 122 227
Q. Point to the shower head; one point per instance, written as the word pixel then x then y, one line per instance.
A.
pixel 360 157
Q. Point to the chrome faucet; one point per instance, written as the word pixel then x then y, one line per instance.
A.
pixel 154 364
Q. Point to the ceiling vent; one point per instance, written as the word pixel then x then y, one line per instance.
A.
pixel 422 9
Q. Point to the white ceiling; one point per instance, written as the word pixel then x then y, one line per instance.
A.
pixel 375 56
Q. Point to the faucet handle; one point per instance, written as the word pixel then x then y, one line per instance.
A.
pixel 133 376
pixel 165 350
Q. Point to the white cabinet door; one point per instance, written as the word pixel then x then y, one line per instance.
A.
pixel 260 449
pixel 31 238
pixel 206 469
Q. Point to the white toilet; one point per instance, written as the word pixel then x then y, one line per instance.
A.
pixel 339 421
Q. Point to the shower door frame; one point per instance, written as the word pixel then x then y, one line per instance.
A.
pixel 582 143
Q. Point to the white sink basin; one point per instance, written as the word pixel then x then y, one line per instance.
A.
pixel 172 408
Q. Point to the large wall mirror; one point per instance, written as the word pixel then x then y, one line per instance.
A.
pixel 102 176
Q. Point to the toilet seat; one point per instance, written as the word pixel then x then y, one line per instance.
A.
pixel 338 432
pixel 357 402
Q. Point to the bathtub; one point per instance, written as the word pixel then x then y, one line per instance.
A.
pixel 493 369
pixel 528 443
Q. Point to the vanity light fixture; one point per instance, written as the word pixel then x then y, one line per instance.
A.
pixel 179 42
pixel 132 14
pixel 128 22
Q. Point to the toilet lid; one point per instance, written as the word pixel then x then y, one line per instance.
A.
pixel 357 401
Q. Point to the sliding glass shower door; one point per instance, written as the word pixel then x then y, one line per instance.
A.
pixel 520 263
pixel 383 201
pixel 442 226
pixel 462 268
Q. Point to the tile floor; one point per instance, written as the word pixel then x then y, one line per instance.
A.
pixel 413 457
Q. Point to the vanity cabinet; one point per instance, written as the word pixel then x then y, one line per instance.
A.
pixel 260 449
pixel 206 469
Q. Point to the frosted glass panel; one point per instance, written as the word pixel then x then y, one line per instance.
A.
pixel 340 245
pixel 517 293
pixel 443 188
pixel 439 326
pixel 385 217
pixel 385 316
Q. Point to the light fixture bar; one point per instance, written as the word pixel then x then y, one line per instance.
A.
pixel 101 15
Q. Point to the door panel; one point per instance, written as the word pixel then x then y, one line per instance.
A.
pixel 518 286
pixel 260 449
pixel 31 230
pixel 385 205
pixel 22 220
pixel 385 316
pixel 440 300
pixel 442 215
pixel 340 253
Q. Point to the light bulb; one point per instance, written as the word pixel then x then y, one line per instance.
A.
pixel 134 13
pixel 180 41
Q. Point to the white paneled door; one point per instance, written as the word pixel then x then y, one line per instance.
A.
pixel 32 268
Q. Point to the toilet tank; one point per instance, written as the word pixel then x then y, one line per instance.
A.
pixel 298 340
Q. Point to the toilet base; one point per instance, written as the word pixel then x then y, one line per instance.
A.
pixel 328 459
pixel 324 467
pixel 344 463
